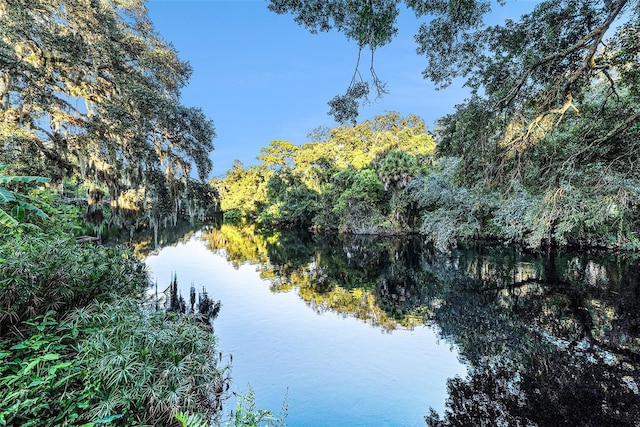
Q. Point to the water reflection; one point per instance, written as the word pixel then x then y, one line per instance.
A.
pixel 374 281
pixel 549 339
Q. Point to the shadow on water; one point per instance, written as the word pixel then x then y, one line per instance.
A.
pixel 549 339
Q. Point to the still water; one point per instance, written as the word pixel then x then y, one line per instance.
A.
pixel 383 332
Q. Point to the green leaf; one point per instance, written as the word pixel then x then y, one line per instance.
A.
pixel 55 368
pixel 7 178
pixel 33 208
pixel 20 346
pixel 6 196
pixel 18 212
pixel 30 366
pixel 108 419
pixel 51 356
pixel 7 220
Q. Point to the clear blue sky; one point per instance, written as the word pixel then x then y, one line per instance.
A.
pixel 261 77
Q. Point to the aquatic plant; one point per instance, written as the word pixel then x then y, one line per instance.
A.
pixel 148 365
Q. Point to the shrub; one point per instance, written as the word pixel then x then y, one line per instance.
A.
pixel 449 212
pixel 40 273
pixel 40 378
pixel 147 365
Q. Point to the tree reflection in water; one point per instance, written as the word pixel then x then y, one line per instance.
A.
pixel 549 339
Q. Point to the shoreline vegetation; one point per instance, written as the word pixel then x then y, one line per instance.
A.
pixel 83 340
pixel 391 176
pixel 542 154
pixel 82 345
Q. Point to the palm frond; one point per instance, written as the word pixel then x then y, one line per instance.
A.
pixel 7 220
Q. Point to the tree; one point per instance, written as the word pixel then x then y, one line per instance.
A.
pixel 278 155
pixel 553 107
pixel 539 65
pixel 244 190
pixel 357 146
pixel 89 86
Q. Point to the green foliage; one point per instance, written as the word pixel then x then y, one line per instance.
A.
pixel 41 378
pixel 334 182
pixel 545 140
pixel 356 187
pixel 246 414
pixel 147 365
pixel 291 202
pixel 43 272
pixel 396 169
pixel 109 363
pixel 599 214
pixel 191 420
pixel 244 190
pixel 95 92
pixel 278 155
pixel 233 216
pixel 449 212
pixel 18 202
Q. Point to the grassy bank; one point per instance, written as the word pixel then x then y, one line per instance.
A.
pixel 79 346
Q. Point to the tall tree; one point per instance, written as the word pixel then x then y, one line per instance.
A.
pixel 553 106
pixel 87 86
pixel 540 66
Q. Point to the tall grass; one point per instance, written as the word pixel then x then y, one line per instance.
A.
pixel 149 365
pixel 44 272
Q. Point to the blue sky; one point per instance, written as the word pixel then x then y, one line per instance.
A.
pixel 261 77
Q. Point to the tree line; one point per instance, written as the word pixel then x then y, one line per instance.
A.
pixel 543 152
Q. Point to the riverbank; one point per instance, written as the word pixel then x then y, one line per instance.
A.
pixel 78 346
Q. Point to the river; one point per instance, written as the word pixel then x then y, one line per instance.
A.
pixel 382 332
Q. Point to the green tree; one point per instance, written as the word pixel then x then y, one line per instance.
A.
pixel 396 170
pixel 89 87
pixel 244 190
pixel 553 109
pixel 358 146
pixel 291 202
pixel 278 155
pixel 355 197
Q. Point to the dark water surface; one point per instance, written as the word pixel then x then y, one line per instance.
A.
pixel 383 332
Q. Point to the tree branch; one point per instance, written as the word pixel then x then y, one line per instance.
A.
pixel 597 33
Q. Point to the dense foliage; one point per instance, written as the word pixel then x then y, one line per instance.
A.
pixel 543 151
pixel 88 91
pixel 79 345
pixel 347 178
pixel 384 177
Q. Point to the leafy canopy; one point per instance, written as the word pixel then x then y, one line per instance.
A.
pixel 88 87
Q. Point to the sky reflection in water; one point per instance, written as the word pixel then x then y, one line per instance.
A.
pixel 547 339
pixel 336 370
